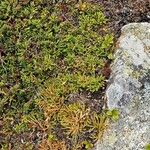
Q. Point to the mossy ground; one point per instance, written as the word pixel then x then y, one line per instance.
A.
pixel 50 52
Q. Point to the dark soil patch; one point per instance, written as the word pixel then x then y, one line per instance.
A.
pixel 122 12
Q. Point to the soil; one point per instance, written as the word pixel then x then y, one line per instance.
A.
pixel 122 12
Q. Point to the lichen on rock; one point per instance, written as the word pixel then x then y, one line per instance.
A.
pixel 129 91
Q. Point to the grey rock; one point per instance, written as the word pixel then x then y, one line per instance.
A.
pixel 129 91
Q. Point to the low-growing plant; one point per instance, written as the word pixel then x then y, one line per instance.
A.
pixel 48 51
pixel 113 114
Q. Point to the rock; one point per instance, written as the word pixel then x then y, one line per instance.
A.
pixel 129 91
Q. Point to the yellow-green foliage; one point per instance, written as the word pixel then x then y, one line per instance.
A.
pixel 147 147
pixel 49 50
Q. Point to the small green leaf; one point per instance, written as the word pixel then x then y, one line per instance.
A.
pixel 147 147
pixel 88 145
pixel 51 137
pixel 113 114
pixel 110 56
pixel 109 113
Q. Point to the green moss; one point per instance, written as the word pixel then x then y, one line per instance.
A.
pixel 47 52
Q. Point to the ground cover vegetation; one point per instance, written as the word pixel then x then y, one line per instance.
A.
pixel 48 52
